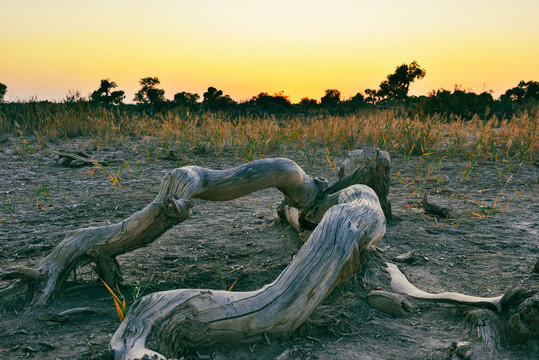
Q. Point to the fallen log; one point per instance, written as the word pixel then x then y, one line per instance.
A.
pixel 400 283
pixel 101 245
pixel 434 209
pixel 81 158
pixel 367 167
pixel 164 324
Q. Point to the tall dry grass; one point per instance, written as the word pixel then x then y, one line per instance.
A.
pixel 253 137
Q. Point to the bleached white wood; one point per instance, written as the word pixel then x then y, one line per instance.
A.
pixel 400 283
pixel 168 322
pixel 170 207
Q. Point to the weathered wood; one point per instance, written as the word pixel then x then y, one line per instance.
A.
pixel 400 283
pixel 171 321
pixel 434 209
pixel 80 158
pixel 380 161
pixel 305 220
pixel 171 206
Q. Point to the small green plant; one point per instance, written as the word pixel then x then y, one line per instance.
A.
pixel 471 167
pixel 501 192
pixel 114 175
pixel 485 211
pixel 149 148
pixel 222 278
pixel 9 206
pixel 140 286
pixel 42 192
pixel 25 148
pixel 121 307
pixel 310 155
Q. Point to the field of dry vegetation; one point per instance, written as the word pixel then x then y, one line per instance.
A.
pixel 476 140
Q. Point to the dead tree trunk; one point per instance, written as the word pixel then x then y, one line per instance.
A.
pixel 379 160
pixel 345 220
pixel 101 245
pixel 171 321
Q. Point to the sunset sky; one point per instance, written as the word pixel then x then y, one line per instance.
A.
pixel 246 47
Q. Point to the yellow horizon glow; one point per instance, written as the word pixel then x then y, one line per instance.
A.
pixel 245 47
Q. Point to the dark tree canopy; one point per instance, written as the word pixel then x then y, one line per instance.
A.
pixel 106 96
pixel 215 100
pixel 357 99
pixel 277 102
pixel 308 102
pixel 459 102
pixel 3 90
pixel 186 99
pixel 372 96
pixel 396 87
pixel 526 91
pixel 148 93
pixel 331 98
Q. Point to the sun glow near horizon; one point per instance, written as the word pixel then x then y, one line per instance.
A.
pixel 246 47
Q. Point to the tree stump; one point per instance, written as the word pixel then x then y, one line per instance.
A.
pixel 379 160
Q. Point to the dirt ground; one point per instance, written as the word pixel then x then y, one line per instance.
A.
pixel 477 251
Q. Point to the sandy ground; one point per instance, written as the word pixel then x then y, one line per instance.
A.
pixel 240 242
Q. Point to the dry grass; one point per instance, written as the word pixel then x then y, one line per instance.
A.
pixel 250 138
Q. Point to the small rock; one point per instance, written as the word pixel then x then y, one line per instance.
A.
pixel 389 303
pixel 407 256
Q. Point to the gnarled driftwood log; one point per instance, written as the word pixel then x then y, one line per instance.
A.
pixel 101 245
pixel 166 323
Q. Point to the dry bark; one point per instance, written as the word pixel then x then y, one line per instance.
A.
pixel 434 209
pixel 171 206
pixel 379 160
pixel 165 323
pixel 80 158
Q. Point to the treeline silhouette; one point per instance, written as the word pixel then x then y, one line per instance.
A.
pixel 392 93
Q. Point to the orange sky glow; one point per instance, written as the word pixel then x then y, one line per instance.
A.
pixel 246 47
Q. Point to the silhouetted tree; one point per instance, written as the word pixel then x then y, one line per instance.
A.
pixel 357 99
pixel 331 98
pixel 459 102
pixel 3 90
pixel 212 95
pixel 526 91
pixel 396 87
pixel 276 103
pixel 215 100
pixel 372 96
pixel 308 102
pixel 104 95
pixel 186 99
pixel 149 94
